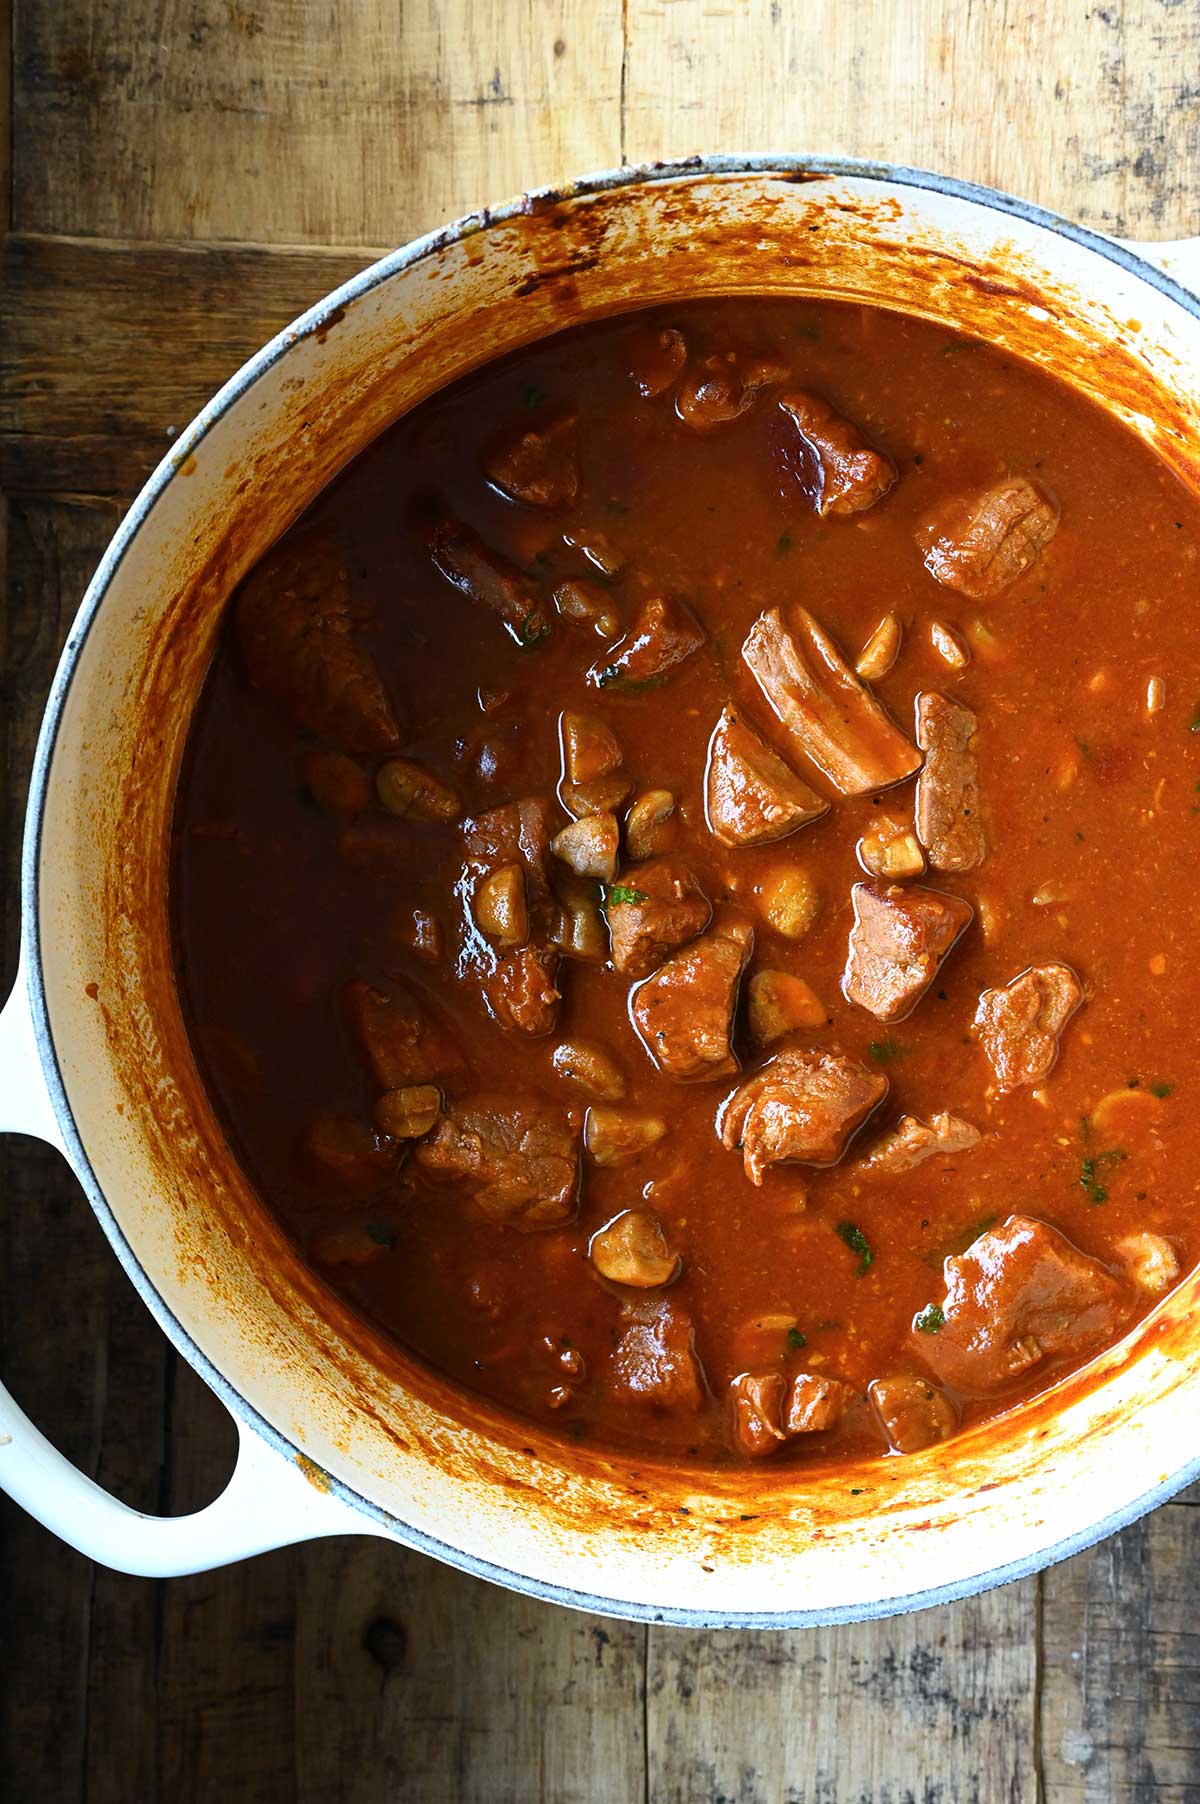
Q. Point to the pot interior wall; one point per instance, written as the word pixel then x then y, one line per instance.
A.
pixel 454 1471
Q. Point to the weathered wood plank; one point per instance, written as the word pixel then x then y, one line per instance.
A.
pixel 935 1708
pixel 419 1685
pixel 1093 110
pixel 296 120
pixel 76 1346
pixel 1121 1700
pixel 107 349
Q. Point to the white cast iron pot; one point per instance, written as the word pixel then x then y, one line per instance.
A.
pixel 339 1434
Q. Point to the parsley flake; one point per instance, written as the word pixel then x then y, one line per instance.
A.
pixel 884 1051
pixel 929 1319
pixel 623 892
pixel 857 1241
pixel 532 395
pixel 795 1339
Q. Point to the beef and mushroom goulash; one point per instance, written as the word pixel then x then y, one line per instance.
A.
pixel 684 884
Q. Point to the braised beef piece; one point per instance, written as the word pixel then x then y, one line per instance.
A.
pixel 652 910
pixel 843 475
pixel 657 355
pixel 486 576
pixel 900 936
pixel 979 544
pixel 815 1403
pixel 756 1408
pixel 724 386
pixel 1020 1294
pixel 912 1412
pixel 655 1359
pixel 539 466
pixel 399 1035
pixel 663 635
pixel 1019 1025
pixel 751 796
pixel 519 983
pixel 684 1013
pixel 295 625
pixel 911 1142
pixel 801 1108
pixel 949 818
pixel 826 714
pixel 518 1154
pixel 522 992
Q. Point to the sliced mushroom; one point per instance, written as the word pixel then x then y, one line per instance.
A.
pixel 633 1250
pixel 779 1004
pixel 880 651
pixel 790 900
pixel 501 909
pixel 408 1113
pixel 615 1136
pixel 650 825
pixel 592 1067
pixel 948 646
pixel 890 848
pixel 590 846
pixel 408 789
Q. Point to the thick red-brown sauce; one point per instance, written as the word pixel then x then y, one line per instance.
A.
pixel 1083 790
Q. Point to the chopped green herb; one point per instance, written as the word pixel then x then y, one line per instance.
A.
pixel 613 677
pixel 623 892
pixel 532 395
pixel 857 1490
pixel 884 1051
pixel 533 629
pixel 783 544
pixel 929 1319
pixel 1094 1168
pixel 1161 1088
pixel 857 1241
pixel 796 1340
pixel 381 1234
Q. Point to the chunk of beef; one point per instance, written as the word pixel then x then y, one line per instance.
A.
pixel 518 1155
pixel 657 355
pixel 663 635
pixel 825 712
pixel 911 1142
pixel 399 1036
pixel 632 1249
pixel 592 780
pixel 684 1013
pixel 539 466
pixel 485 576
pixel 801 1108
pixel 665 908
pixel 844 475
pixel 515 833
pixel 756 1407
pixel 1019 1025
pixel 981 543
pixel 750 794
pixel 815 1403
pixel 522 992
pixel 949 818
pixel 295 629
pixel 899 938
pixel 655 1359
pixel 911 1412
pixel 1021 1293
pixel 725 386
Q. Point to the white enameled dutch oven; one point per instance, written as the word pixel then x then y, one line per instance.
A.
pixel 338 1433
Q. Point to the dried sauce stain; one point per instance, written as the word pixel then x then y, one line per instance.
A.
pixel 308 1469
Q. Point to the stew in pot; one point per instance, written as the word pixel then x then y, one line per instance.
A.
pixel 683 881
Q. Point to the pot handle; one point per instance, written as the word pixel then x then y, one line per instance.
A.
pixel 1176 257
pixel 270 1501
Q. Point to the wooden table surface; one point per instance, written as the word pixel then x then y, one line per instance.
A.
pixel 185 176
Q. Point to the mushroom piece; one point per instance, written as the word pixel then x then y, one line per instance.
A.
pixel 615 1136
pixel 408 1113
pixel 409 790
pixel 591 1066
pixel 632 1249
pixel 779 1004
pixel 500 907
pixel 650 825
pixel 590 846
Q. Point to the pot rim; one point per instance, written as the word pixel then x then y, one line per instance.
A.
pixel 315 320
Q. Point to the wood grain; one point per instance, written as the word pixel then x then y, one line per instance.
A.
pixel 937 1707
pixel 295 120
pixel 1093 111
